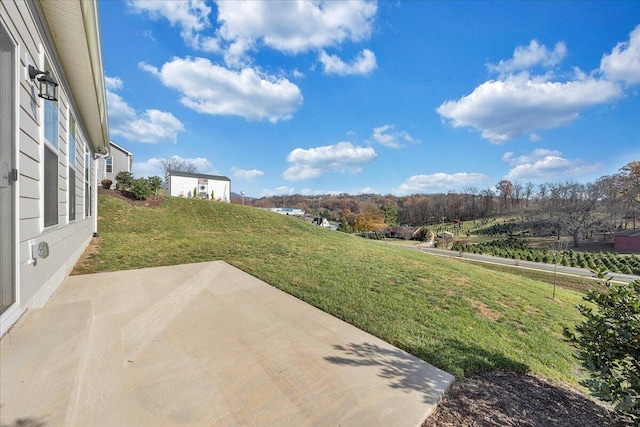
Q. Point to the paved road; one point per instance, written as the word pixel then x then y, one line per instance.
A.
pixel 616 277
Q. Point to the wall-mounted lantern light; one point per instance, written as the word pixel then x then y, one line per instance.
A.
pixel 46 85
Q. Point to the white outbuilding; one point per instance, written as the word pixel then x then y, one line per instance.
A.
pixel 184 184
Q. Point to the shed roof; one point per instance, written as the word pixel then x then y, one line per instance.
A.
pixel 629 233
pixel 198 175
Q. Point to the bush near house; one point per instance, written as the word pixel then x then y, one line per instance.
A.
pixel 106 183
pixel 140 189
pixel 155 183
pixel 608 344
pixel 123 180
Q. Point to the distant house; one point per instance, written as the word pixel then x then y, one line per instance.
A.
pixel 323 222
pixel 182 184
pixel 53 126
pixel 287 211
pixel 118 160
pixel 627 240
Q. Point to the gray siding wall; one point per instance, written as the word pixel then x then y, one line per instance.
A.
pixel 68 239
pixel 120 164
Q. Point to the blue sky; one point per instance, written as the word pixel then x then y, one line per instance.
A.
pixel 375 97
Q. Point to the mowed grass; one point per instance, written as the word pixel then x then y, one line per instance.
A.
pixel 459 317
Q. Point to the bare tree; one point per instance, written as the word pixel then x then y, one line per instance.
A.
pixel 505 190
pixel 177 164
pixel 528 192
pixel 571 206
pixel 629 178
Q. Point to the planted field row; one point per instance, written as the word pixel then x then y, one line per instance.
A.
pixel 515 248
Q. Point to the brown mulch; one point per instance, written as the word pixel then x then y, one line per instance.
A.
pixel 127 197
pixel 511 399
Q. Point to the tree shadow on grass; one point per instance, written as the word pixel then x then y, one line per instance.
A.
pixel 463 359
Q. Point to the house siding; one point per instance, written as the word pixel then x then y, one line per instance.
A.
pixel 121 163
pixel 68 238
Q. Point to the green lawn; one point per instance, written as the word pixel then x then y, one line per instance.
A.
pixel 460 317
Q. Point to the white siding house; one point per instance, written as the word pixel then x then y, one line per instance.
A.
pixel 182 184
pixel 118 160
pixel 47 147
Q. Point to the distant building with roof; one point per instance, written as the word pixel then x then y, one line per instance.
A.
pixel 118 160
pixel 183 184
pixel 287 211
pixel 627 240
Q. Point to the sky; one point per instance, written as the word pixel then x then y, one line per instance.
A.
pixel 409 97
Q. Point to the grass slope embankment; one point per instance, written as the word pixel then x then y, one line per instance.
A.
pixel 462 318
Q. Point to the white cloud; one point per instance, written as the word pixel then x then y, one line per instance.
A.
pixel 149 126
pixel 527 57
pixel 387 136
pixel 190 16
pixel 287 26
pixel 113 83
pixel 367 190
pixel 364 63
pixel 279 191
pixel 246 174
pixel 211 89
pixel 439 182
pixel 520 104
pixel 153 166
pixel 292 26
pixel 623 64
pixel 542 165
pixel 341 157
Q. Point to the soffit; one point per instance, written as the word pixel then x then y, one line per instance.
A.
pixel 75 29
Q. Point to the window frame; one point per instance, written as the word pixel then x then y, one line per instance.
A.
pixel 71 181
pixel 51 147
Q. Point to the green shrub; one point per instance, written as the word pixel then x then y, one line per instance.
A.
pixel 106 183
pixel 608 344
pixel 155 182
pixel 140 189
pixel 123 180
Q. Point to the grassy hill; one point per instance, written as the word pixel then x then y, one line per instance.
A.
pixel 462 318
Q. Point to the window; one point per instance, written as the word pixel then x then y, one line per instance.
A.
pixel 72 168
pixel 50 159
pixel 109 164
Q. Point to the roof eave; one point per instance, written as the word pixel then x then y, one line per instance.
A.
pixel 75 29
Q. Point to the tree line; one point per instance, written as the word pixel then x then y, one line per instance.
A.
pixel 565 208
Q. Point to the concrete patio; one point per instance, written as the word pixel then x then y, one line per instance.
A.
pixel 202 344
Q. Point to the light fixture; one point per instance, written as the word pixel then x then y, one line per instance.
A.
pixel 46 85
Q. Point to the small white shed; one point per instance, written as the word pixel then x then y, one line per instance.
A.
pixel 183 184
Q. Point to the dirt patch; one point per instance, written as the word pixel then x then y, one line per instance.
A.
pixel 127 197
pixel 483 309
pixel 85 259
pixel 510 399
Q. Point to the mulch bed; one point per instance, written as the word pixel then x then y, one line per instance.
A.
pixel 128 197
pixel 511 399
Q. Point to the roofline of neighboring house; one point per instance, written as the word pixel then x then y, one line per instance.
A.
pixel 124 150
pixel 76 55
pixel 628 233
pixel 198 175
